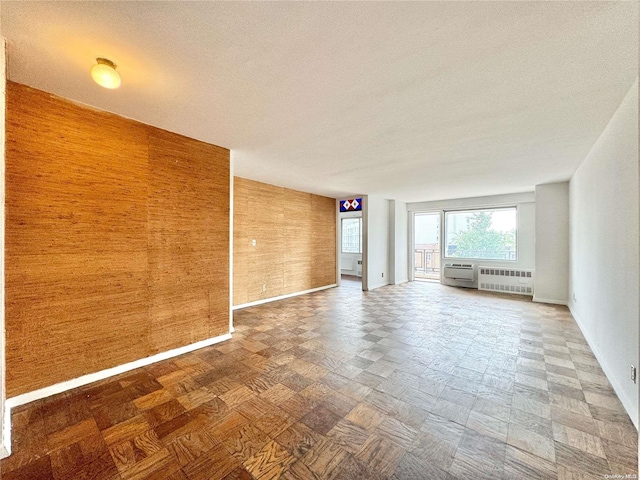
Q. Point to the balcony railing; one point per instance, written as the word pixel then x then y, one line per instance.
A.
pixel 426 263
pixel 503 254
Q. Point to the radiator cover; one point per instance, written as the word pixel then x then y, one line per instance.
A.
pixel 506 280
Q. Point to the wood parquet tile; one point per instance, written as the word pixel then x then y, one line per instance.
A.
pixel 298 439
pixel 324 458
pixel 416 381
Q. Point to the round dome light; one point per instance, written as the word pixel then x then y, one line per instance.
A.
pixel 104 73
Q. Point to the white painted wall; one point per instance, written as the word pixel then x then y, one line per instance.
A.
pixel 525 203
pixel 398 242
pixel 375 242
pixel 552 243
pixel 349 261
pixel 5 445
pixel 604 261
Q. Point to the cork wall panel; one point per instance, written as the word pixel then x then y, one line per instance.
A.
pixel 323 234
pixel 281 222
pixel 188 240
pixel 298 242
pixel 78 251
pixel 266 262
pixel 241 241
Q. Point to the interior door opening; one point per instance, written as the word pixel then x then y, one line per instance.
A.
pixel 426 245
pixel 351 249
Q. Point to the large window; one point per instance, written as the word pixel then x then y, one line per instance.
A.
pixel 352 235
pixel 483 234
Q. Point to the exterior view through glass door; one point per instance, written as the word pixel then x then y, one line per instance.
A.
pixel 426 244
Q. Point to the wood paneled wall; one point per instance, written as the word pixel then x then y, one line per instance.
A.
pixel 117 240
pixel 295 234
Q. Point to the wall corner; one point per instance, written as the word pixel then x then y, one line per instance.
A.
pixel 231 329
pixel 5 419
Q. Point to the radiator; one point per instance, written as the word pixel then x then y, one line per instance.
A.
pixel 347 263
pixel 507 280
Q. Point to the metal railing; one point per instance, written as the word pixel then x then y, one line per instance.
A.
pixel 426 262
pixel 503 254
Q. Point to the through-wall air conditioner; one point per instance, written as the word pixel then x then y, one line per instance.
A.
pixel 459 274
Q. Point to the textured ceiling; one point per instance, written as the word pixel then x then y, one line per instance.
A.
pixel 411 101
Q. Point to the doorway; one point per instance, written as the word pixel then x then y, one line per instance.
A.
pixel 426 246
pixel 351 249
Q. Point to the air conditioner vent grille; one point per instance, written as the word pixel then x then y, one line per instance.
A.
pixel 505 272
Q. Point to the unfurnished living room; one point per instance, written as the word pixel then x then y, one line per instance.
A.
pixel 319 240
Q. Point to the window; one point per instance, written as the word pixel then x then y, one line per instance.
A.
pixel 483 234
pixel 351 235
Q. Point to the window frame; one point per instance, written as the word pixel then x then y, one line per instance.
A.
pixel 474 210
pixel 342 229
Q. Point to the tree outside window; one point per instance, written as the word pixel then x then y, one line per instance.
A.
pixel 482 234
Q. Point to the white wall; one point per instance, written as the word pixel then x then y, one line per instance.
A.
pixel 349 261
pixel 525 203
pixel 604 261
pixel 375 242
pixel 5 447
pixel 398 242
pixel 552 243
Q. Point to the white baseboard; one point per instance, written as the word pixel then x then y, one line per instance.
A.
pixel 378 285
pixel 282 297
pixel 110 372
pixel 624 399
pixel 93 377
pixel 548 300
pixel 5 441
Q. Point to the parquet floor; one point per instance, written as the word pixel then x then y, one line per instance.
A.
pixel 416 381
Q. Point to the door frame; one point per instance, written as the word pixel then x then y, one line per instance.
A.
pixel 412 242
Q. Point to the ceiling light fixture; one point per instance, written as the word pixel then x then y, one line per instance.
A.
pixel 104 73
